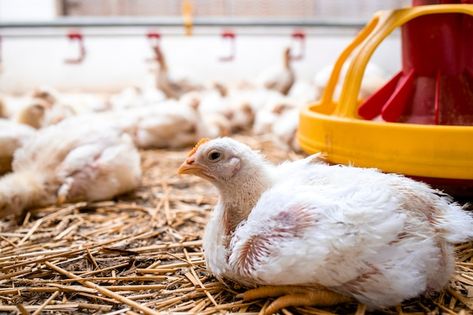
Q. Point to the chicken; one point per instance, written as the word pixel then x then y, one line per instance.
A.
pixel 245 105
pixel 313 233
pixel 57 113
pixel 70 162
pixel 32 114
pixel 215 125
pixel 284 130
pixel 12 105
pixel 42 107
pixel 267 117
pixel 280 119
pixel 39 113
pixel 12 137
pixel 47 94
pixel 60 106
pixel 215 103
pixel 279 78
pixel 304 92
pixel 136 97
pixel 169 125
pixel 171 88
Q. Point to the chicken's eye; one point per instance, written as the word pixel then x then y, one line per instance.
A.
pixel 214 156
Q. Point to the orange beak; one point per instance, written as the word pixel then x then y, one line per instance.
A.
pixel 189 167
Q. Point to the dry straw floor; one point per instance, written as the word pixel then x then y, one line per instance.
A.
pixel 141 253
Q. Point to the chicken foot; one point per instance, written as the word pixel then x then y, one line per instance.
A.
pixel 294 296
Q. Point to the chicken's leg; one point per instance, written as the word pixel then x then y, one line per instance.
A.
pixel 294 296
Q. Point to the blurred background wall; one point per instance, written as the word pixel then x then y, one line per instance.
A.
pixel 34 43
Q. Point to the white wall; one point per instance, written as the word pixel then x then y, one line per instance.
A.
pixel 115 62
pixel 27 10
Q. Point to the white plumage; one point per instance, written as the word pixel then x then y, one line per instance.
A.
pixel 238 112
pixel 167 125
pixel 378 238
pixel 136 97
pixel 284 130
pixel 12 137
pixel 70 162
pixel 280 77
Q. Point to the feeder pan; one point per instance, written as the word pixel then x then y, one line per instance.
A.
pixel 421 122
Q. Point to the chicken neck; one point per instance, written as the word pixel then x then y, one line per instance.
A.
pixel 287 61
pixel 240 195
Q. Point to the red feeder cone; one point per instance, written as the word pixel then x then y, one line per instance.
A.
pixel 435 85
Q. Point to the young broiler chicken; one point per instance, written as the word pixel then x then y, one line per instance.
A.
pixel 311 233
pixel 135 96
pixel 171 88
pixel 70 162
pixel 222 113
pixel 12 137
pixel 169 125
pixel 284 130
pixel 279 78
pixel 32 114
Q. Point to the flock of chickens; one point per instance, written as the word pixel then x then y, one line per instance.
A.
pixel 59 144
pixel 313 233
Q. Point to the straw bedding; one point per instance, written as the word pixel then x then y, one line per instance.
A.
pixel 141 253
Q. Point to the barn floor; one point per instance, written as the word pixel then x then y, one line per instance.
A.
pixel 142 253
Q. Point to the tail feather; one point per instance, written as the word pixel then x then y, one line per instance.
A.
pixel 456 223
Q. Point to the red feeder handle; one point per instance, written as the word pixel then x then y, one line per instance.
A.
pixel 154 38
pixel 299 37
pixel 230 37
pixel 77 36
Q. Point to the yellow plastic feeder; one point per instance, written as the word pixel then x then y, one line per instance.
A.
pixel 421 122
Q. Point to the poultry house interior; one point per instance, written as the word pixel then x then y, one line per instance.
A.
pixel 105 105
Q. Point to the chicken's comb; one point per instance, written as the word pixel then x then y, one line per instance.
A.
pixel 197 145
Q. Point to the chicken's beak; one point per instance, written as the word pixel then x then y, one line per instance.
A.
pixel 189 167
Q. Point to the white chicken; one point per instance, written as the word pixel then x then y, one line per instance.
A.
pixel 304 92
pixel 171 88
pixel 169 125
pixel 60 106
pixel 32 114
pixel 42 107
pixel 284 130
pixel 11 104
pixel 215 105
pixel 70 162
pixel 12 137
pixel 215 125
pixel 47 94
pixel 280 120
pixel 136 97
pixel 267 116
pixel 279 78
pixel 313 233
pixel 39 114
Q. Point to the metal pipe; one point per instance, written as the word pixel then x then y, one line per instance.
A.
pixel 178 22
pixel 142 33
